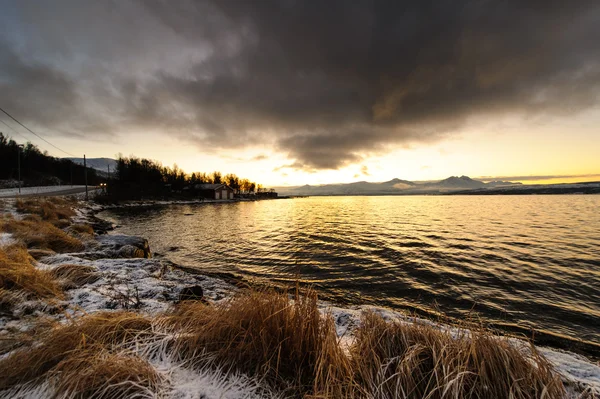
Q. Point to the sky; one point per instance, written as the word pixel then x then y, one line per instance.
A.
pixel 292 92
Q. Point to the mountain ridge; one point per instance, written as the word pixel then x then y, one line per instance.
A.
pixel 100 164
pixel 395 186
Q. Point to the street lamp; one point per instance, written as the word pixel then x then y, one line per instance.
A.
pixel 20 147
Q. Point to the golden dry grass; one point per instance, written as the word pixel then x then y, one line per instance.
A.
pixel 9 299
pixel 94 372
pixel 398 360
pixel 292 347
pixel 17 273
pixel 55 210
pixel 264 334
pixel 39 234
pixel 102 331
pixel 82 229
pixel 73 276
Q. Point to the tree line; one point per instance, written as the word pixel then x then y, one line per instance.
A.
pixel 137 178
pixel 37 167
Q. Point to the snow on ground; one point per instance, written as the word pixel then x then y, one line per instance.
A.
pixel 11 192
pixel 126 282
pixel 186 383
pixel 574 367
pixel 6 239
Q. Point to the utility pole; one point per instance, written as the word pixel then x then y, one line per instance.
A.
pixel 85 176
pixel 19 147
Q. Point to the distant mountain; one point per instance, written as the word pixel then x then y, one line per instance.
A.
pixel 395 187
pixel 100 164
pixel 456 183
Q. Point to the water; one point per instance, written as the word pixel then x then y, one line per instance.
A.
pixel 526 261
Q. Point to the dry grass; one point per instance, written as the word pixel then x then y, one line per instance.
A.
pixel 54 210
pixel 38 254
pixel 17 273
pixel 96 373
pixel 101 331
pixel 81 229
pixel 74 276
pixel 285 343
pixel 39 234
pixel 396 360
pixel 292 347
pixel 9 299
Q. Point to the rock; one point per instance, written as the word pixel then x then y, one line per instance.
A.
pixel 100 226
pixel 191 293
pixel 129 251
pixel 123 245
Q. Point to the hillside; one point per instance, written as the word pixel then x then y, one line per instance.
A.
pixel 100 164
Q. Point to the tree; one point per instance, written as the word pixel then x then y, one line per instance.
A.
pixel 37 167
pixel 232 181
pixel 216 177
pixel 136 178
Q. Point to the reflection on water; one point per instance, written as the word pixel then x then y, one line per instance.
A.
pixel 527 260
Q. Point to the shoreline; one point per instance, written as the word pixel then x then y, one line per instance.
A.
pixel 160 272
pixel 589 349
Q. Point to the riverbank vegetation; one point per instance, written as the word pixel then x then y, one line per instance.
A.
pixel 283 342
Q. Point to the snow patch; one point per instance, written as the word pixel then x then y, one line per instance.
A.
pixel 574 368
pixel 148 284
pixel 6 240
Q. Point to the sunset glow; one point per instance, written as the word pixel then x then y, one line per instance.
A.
pixel 228 86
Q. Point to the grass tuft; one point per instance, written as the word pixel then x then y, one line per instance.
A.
pixel 39 234
pixel 399 360
pixel 266 335
pixel 17 273
pixel 102 331
pixel 81 229
pixel 54 210
pixel 74 276
pixel 93 372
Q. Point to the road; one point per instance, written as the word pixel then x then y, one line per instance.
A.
pixel 44 191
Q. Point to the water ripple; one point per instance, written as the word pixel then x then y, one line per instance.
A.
pixel 527 261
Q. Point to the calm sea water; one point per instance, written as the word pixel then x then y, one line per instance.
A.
pixel 527 261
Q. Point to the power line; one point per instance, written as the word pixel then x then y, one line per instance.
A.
pixel 13 129
pixel 35 134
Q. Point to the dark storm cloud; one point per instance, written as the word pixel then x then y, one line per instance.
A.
pixel 326 82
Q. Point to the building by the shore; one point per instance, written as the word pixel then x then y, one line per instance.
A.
pixel 214 191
